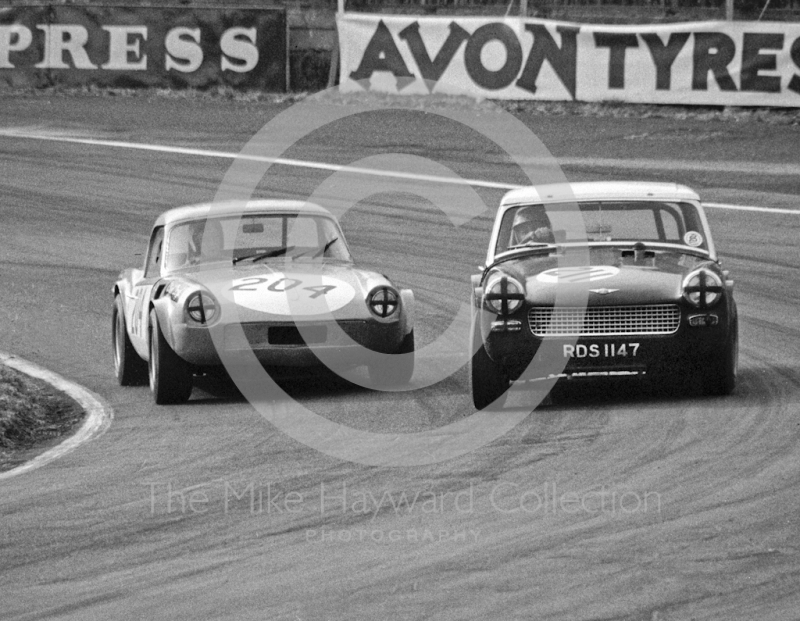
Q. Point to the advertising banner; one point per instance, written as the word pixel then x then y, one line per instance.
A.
pixel 143 46
pixel 699 63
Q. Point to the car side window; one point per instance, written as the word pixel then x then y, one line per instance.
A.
pixel 154 254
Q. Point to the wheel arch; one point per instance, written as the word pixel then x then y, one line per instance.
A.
pixel 161 307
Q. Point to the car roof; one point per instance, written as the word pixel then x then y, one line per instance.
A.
pixel 598 190
pixel 227 208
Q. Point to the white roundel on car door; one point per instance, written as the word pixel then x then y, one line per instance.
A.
pixel 292 294
pixel 589 273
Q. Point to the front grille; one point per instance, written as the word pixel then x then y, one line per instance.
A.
pixel 290 335
pixel 604 320
pixel 260 335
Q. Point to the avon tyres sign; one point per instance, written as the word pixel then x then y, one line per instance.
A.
pixel 701 63
pixel 128 47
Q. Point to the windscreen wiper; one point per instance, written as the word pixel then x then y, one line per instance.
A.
pixel 324 249
pixel 264 255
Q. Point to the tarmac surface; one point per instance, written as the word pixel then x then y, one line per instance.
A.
pixel 613 503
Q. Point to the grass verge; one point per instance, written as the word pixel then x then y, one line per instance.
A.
pixel 33 416
pixel 731 114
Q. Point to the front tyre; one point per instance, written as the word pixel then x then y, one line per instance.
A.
pixel 720 378
pixel 170 376
pixel 488 381
pixel 395 372
pixel 129 368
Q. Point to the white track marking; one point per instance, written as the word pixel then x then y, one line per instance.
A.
pixel 58 135
pixel 229 155
pixel 98 413
pixel 753 168
pixel 749 208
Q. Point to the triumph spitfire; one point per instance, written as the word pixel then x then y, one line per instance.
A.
pixel 271 278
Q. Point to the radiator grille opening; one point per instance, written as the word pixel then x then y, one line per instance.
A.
pixel 604 320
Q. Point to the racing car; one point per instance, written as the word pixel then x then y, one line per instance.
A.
pixel 657 304
pixel 272 279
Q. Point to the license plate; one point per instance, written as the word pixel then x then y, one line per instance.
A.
pixel 601 350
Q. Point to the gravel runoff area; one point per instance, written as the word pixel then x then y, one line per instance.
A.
pixel 33 416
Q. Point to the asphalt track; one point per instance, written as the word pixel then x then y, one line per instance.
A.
pixel 691 506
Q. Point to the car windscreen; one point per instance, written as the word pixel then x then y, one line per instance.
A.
pixel 282 236
pixel 606 221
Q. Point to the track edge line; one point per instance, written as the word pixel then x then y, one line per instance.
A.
pixel 98 413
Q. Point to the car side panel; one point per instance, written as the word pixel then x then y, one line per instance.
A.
pixel 140 309
pixel 129 295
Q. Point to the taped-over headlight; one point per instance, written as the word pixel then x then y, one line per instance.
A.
pixel 504 295
pixel 702 288
pixel 382 302
pixel 201 307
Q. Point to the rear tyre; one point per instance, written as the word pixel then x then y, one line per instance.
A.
pixel 129 368
pixel 395 372
pixel 170 375
pixel 488 381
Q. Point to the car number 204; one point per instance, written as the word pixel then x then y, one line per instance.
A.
pixel 601 350
pixel 292 294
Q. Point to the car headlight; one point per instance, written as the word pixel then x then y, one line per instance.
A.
pixel 382 302
pixel 702 288
pixel 201 307
pixel 504 295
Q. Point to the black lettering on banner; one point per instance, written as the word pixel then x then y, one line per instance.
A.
pixel 432 70
pixel 616 43
pixel 382 55
pixel 664 55
pixel 753 62
pixel 249 286
pixel 794 83
pixel 563 60
pixel 483 77
pixel 286 287
pixel 713 52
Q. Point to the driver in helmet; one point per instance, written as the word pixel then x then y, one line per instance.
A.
pixel 206 241
pixel 531 225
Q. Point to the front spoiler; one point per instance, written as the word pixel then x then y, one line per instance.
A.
pixel 350 346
